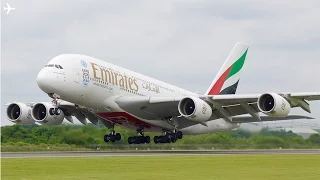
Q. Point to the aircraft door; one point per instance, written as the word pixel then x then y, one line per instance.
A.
pixel 80 81
pixel 76 76
pixel 77 87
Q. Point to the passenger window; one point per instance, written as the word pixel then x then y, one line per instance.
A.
pixel 56 66
pixel 60 67
pixel 50 65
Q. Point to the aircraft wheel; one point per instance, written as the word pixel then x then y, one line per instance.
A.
pixel 167 139
pixel 106 138
pixel 118 136
pixel 51 111
pixel 179 135
pixel 147 139
pixel 162 139
pixel 112 138
pixel 57 111
pixel 140 139
pixel 130 140
pixel 155 140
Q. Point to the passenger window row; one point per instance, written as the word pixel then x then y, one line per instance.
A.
pixel 54 65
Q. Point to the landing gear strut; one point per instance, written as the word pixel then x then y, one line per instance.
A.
pixel 169 137
pixel 113 136
pixel 55 102
pixel 139 139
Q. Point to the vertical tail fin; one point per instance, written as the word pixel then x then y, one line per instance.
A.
pixel 226 81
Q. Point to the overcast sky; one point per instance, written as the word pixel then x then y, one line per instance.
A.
pixel 182 42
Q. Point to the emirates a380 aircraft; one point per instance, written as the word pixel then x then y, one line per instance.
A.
pixel 90 89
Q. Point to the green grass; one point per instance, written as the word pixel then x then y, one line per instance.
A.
pixel 231 167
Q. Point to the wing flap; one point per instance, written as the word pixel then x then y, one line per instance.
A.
pixel 237 110
pixel 228 100
pixel 247 119
pixel 251 98
pixel 307 96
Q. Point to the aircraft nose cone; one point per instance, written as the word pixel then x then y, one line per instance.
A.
pixel 43 81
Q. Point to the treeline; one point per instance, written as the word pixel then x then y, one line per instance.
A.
pixel 90 137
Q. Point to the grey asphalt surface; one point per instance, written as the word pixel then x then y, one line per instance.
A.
pixel 151 153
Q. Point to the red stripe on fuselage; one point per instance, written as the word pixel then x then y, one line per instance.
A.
pixel 215 90
pixel 123 118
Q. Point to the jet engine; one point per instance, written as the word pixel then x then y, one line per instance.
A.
pixel 45 113
pixel 195 109
pixel 19 113
pixel 274 105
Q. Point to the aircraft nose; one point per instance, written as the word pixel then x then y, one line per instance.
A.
pixel 43 81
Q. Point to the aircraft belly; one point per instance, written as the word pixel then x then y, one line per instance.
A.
pixel 129 121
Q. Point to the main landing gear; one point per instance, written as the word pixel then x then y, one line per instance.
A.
pixel 113 136
pixel 139 139
pixel 168 137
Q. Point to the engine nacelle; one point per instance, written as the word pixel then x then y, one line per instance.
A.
pixel 195 109
pixel 274 105
pixel 19 113
pixel 45 113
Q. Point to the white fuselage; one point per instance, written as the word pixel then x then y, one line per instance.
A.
pixel 95 84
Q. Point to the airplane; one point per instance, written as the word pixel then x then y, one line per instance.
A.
pixel 93 90
pixel 8 8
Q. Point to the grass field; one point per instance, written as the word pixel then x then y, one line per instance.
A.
pixel 231 167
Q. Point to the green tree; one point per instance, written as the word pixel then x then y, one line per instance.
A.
pixel 315 139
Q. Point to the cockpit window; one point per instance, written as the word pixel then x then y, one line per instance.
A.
pixel 54 65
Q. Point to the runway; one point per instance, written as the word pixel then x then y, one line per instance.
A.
pixel 152 153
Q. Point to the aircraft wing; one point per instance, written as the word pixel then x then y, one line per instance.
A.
pixel 228 107
pixel 224 106
pixel 295 100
